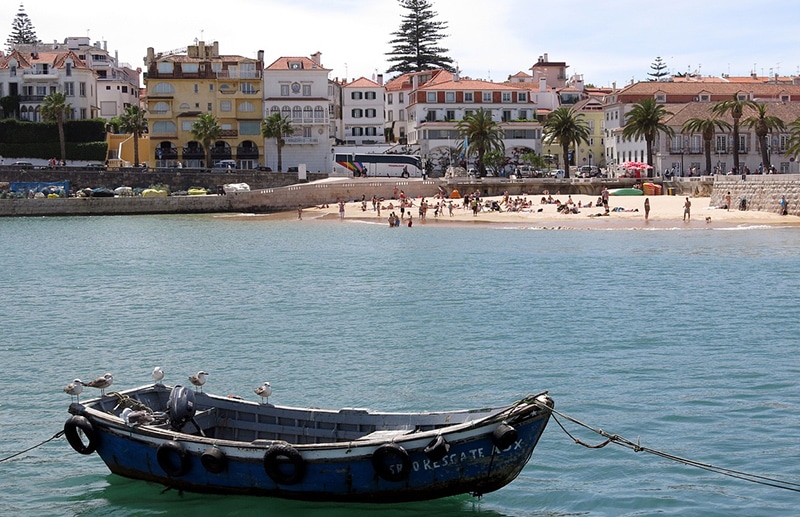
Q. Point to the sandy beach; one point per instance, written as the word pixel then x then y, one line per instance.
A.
pixel 625 212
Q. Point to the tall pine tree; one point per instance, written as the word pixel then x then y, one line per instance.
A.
pixel 22 31
pixel 659 69
pixel 414 47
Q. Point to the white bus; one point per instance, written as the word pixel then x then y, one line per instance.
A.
pixel 378 165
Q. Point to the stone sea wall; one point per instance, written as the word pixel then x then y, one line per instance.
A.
pixel 762 192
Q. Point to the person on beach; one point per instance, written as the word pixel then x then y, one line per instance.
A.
pixel 728 201
pixel 409 220
pixel 604 196
pixel 341 209
pixel 646 208
pixel 300 212
pixel 784 206
pixel 687 209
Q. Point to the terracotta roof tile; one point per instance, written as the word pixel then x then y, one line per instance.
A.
pixel 362 82
pixel 282 63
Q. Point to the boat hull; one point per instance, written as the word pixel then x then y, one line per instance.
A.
pixel 473 462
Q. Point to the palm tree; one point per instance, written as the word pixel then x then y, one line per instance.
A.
pixel 54 108
pixel 793 143
pixel 133 121
pixel 733 107
pixel 480 135
pixel 206 129
pixel 763 124
pixel 568 127
pixel 706 127
pixel 645 120
pixel 275 126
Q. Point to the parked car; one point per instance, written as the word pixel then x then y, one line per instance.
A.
pixel 557 173
pixel 95 166
pixel 588 171
pixel 23 164
pixel 225 164
pixel 264 168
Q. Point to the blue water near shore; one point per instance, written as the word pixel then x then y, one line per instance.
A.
pixel 684 339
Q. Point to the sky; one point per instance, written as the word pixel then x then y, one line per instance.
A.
pixel 608 43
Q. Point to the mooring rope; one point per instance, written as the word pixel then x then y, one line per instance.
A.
pixel 637 447
pixel 57 435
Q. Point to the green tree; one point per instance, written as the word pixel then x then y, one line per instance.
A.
pixel 534 160
pixel 275 126
pixel 10 105
pixel 646 120
pixel 481 135
pixel 54 108
pixel 22 31
pixel 565 126
pixel 659 69
pixel 793 143
pixel 134 121
pixel 206 129
pixel 734 108
pixel 706 127
pixel 415 44
pixel 763 124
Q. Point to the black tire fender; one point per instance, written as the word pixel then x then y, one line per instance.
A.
pixel 437 449
pixel 391 462
pixel 71 428
pixel 275 459
pixel 173 458
pixel 214 460
pixel 504 436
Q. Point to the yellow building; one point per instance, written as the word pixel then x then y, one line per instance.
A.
pixel 183 84
pixel 593 154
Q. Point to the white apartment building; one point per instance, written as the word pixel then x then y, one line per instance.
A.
pixel 439 100
pixel 363 112
pixel 397 95
pixel 117 83
pixel 297 87
pixel 34 75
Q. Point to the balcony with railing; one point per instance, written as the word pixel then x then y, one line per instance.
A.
pixel 301 140
pixel 40 75
pixel 239 74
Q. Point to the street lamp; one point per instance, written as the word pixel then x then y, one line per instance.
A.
pixel 684 150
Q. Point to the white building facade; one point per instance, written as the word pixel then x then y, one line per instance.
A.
pixel 363 112
pixel 297 88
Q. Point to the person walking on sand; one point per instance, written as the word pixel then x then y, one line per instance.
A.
pixel 604 196
pixel 728 201
pixel 341 209
pixel 300 212
pixel 646 208
pixel 687 209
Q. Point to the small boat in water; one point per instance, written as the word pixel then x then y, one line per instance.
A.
pixel 201 442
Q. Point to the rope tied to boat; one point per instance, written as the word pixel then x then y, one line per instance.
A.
pixel 637 447
pixel 57 435
pixel 124 401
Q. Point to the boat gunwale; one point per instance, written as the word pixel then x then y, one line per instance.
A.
pixel 529 409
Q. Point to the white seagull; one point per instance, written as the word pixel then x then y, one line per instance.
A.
pixel 199 379
pixel 132 418
pixel 101 382
pixel 74 389
pixel 158 374
pixel 264 391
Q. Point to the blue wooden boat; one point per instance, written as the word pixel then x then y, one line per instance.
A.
pixel 200 442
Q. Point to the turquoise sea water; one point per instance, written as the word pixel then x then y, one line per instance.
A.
pixel 684 339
